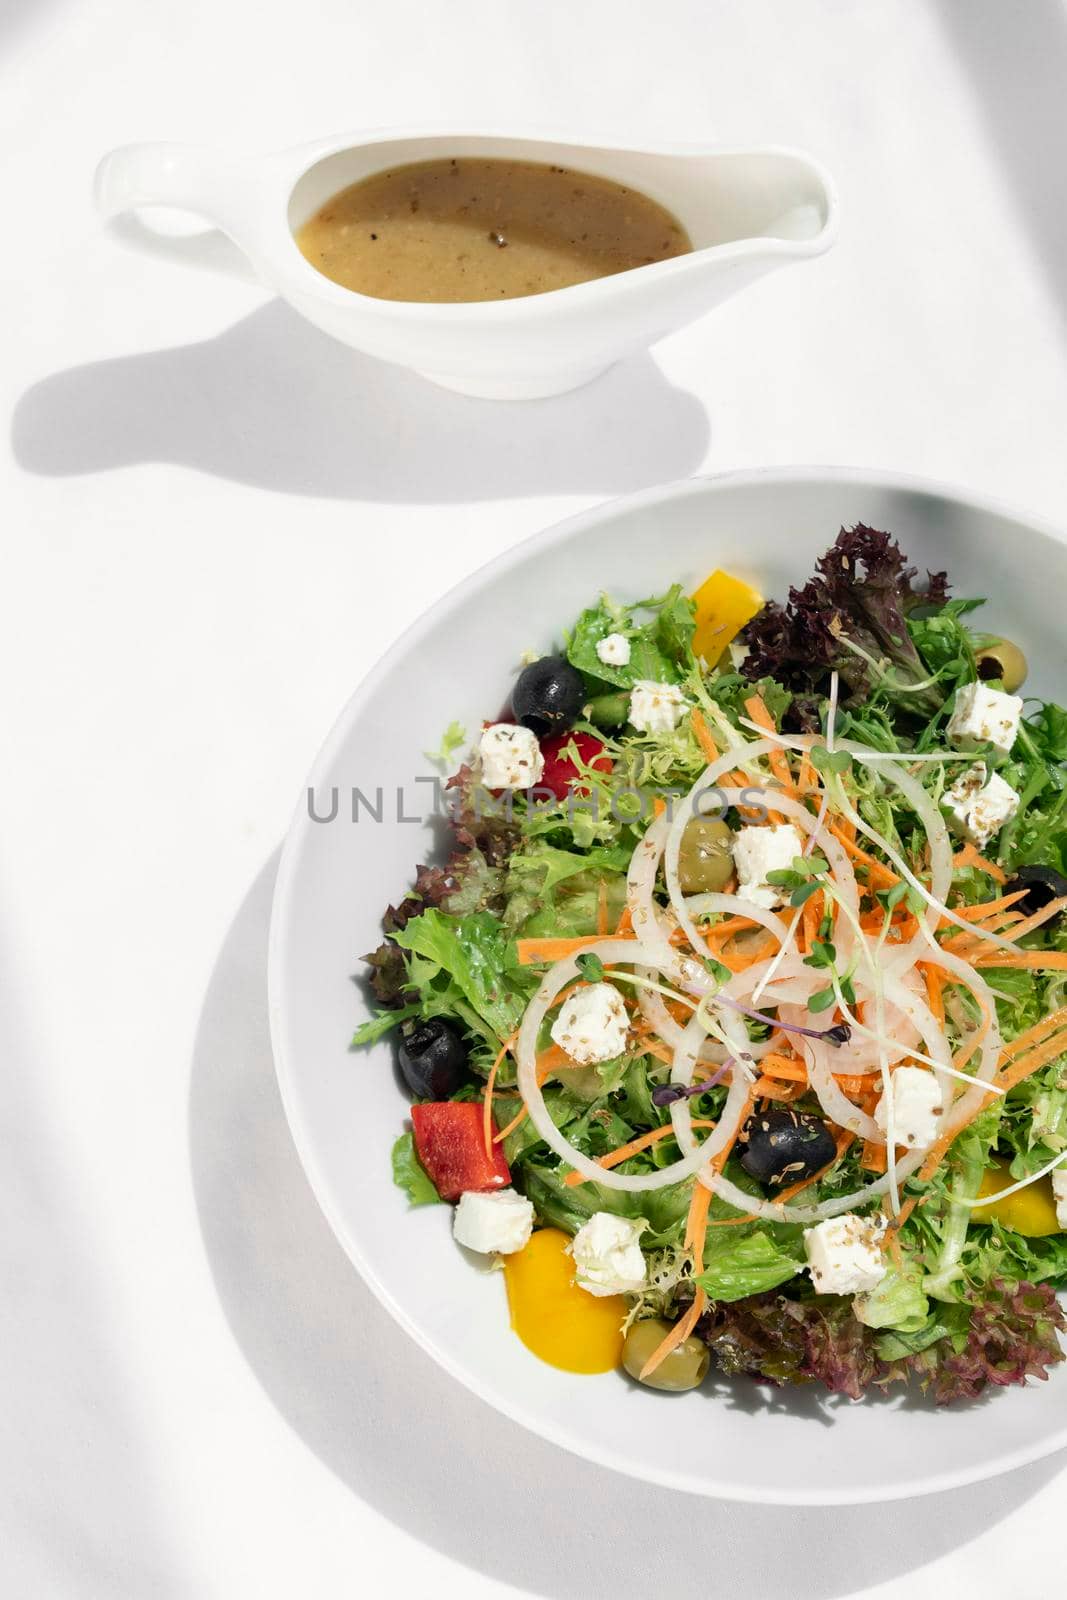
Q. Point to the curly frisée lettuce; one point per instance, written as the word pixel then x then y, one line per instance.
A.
pixel 769 1013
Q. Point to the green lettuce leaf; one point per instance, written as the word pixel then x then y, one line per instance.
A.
pixel 475 953
pixel 897 1302
pixel 660 633
pixel 385 1021
pixel 663 1209
pixel 752 1264
pixel 410 1175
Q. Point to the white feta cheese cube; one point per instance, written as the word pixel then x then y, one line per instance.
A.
pixel 979 804
pixel 499 1222
pixel 917 1104
pixel 614 650
pixel 656 707
pixel 759 850
pixel 592 1024
pixel 844 1254
pixel 1059 1191
pixel 983 715
pixel 608 1256
pixel 511 757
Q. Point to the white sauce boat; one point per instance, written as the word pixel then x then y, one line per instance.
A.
pixel 746 212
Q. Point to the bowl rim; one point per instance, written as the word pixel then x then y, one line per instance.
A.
pixel 543 540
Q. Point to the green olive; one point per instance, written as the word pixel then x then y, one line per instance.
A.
pixel 685 1367
pixel 1005 661
pixel 705 862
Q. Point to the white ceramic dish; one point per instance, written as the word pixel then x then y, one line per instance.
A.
pixel 747 211
pixel 734 1440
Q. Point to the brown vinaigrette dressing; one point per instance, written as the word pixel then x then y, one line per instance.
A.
pixel 484 229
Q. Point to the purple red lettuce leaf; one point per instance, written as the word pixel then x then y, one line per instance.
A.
pixel 471 879
pixel 862 593
pixel 1012 1334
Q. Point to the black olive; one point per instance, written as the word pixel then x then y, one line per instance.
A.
pixel 1041 884
pixel 433 1059
pixel 548 696
pixel 782 1146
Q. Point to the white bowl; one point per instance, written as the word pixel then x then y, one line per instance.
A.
pixel 733 1439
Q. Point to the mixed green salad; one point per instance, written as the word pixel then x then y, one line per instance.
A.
pixel 746 982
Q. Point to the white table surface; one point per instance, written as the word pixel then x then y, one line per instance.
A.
pixel 213 523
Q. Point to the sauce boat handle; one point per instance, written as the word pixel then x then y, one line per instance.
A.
pixel 224 189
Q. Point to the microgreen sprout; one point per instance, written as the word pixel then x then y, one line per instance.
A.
pixel 666 1094
pixel 830 762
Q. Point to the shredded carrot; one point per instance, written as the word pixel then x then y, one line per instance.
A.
pixel 702 734
pixel 856 1083
pixel 935 989
pixel 695 1233
pixel 806 776
pixel 548 1061
pixel 971 942
pixel 969 857
pixel 793 1071
pixel 574 1179
pixel 962 1056
pixel 487 1102
pixel 739 959
pixel 776 1066
pixel 1047 1040
pixel 719 1160
pixel 626 922
pixel 1025 1066
pixel 812 917
pixel 1009 923
pixel 1040 1030
pixel 730 926
pixel 731 1222
pixel 655 1047
pixel 1019 928
pixel 1025 960
pixel 880 876
pixel 777 758
pixel 978 912
pixel 549 950
pixel 874 1157
pixel 940 1148
pixel 516 1122
pixel 696 1224
pixel 679 1332
pixel 772 1089
pixel 897 1222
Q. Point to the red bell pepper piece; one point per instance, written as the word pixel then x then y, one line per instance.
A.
pixel 450 1143
pixel 560 773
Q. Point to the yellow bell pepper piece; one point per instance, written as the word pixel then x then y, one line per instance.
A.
pixel 723 606
pixel 1031 1212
